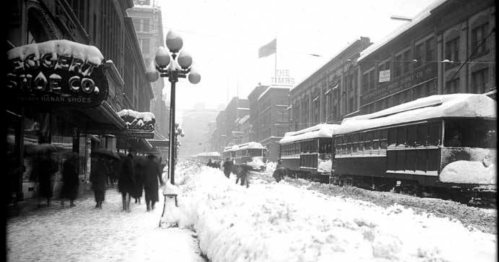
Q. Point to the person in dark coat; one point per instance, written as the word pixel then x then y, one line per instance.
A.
pixel 228 167
pixel 139 178
pixel 152 175
pixel 98 177
pixel 70 180
pixel 243 173
pixel 210 164
pixel 126 181
pixel 47 167
pixel 280 171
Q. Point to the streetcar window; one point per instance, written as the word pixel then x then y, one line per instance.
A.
pixel 368 144
pixel 470 133
pixel 401 135
pixel 361 143
pixel 383 139
pixel 422 131
pixel 411 135
pixel 392 137
pixel 375 139
pixel 355 142
pixel 435 134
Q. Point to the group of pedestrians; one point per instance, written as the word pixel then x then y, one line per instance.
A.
pixel 137 175
pixel 242 171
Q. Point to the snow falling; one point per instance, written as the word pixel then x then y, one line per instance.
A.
pixel 228 222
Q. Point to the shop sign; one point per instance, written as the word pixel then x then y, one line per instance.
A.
pixel 282 77
pixel 56 72
pixel 137 134
pixel 139 124
pixel 401 83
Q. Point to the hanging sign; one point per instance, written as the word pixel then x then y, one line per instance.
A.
pixel 56 72
pixel 139 124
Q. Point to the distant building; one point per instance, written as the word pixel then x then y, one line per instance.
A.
pixel 237 109
pixel 196 125
pixel 269 117
pixel 148 24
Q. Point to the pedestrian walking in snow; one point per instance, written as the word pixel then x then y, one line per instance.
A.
pixel 152 179
pixel 98 177
pixel 139 166
pixel 70 180
pixel 280 171
pixel 228 167
pixel 126 181
pixel 46 169
pixel 243 174
pixel 210 164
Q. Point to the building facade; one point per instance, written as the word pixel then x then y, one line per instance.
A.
pixel 330 93
pixel 68 123
pixel 269 117
pixel 447 48
pixel 148 24
pixel 236 110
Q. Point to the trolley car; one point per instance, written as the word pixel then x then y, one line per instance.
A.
pixel 442 144
pixel 251 153
pixel 307 153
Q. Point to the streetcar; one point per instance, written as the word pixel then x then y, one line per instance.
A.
pixel 250 153
pixel 443 145
pixel 307 153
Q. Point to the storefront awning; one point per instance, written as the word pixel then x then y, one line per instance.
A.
pixel 94 120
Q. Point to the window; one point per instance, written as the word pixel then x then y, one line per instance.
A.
pixel 435 134
pixel 397 65
pixel 422 134
pixel 479 81
pixel 452 86
pixel 478 39
pixel 401 135
pixel 406 61
pixel 411 136
pixel 452 51
pixel 146 25
pixel 418 55
pixel 376 137
pixel 430 50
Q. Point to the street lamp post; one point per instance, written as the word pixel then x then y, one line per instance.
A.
pixel 173 68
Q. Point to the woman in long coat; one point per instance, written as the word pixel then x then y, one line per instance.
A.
pixel 98 177
pixel 126 181
pixel 152 179
pixel 70 180
pixel 139 178
pixel 47 167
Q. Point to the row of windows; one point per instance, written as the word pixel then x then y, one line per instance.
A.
pixel 376 142
pixel 322 145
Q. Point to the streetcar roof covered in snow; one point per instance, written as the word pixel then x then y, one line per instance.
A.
pixel 214 154
pixel 432 107
pixel 317 131
pixel 250 145
pixel 231 148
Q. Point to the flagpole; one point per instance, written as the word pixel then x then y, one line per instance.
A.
pixel 275 62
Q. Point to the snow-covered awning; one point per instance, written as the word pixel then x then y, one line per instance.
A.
pixel 139 124
pixel 57 72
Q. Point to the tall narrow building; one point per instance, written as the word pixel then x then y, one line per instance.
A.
pixel 148 23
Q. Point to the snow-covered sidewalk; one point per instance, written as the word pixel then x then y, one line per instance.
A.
pixel 83 233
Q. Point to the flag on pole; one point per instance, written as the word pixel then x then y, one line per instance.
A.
pixel 268 49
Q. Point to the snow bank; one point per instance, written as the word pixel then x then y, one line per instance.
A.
pixel 469 172
pixel 279 222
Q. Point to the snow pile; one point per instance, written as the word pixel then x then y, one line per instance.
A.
pixel 469 172
pixel 280 222
pixel 325 165
pixel 256 162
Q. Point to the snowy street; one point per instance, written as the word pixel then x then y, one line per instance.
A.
pixel 266 222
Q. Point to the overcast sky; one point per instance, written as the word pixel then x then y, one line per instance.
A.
pixel 223 37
